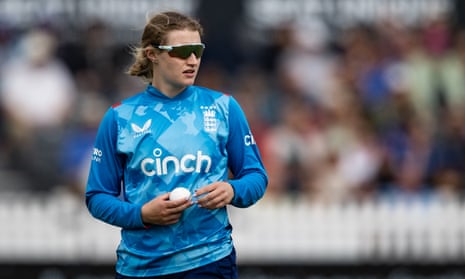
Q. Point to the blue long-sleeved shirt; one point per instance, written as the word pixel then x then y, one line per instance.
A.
pixel 149 144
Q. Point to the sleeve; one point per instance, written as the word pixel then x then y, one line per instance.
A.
pixel 105 177
pixel 250 178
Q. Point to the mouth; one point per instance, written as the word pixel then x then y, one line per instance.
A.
pixel 189 73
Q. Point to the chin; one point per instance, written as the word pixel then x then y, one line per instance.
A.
pixel 189 82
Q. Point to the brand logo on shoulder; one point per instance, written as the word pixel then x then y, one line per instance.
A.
pixel 141 130
pixel 210 123
pixel 97 155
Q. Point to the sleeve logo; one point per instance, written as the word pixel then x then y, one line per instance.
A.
pixel 97 155
pixel 249 140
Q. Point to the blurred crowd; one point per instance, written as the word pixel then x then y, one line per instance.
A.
pixel 374 111
pixel 377 114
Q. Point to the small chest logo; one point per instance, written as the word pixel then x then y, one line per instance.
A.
pixel 141 130
pixel 210 123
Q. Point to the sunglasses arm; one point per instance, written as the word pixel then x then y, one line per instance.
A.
pixel 167 48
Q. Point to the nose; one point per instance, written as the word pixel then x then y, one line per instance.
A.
pixel 192 59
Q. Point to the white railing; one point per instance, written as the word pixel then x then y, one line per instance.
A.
pixel 297 231
pixel 59 228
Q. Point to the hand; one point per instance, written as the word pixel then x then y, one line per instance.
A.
pixel 215 195
pixel 162 211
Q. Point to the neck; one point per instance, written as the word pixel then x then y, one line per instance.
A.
pixel 168 90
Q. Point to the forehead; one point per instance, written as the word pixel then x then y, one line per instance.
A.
pixel 185 36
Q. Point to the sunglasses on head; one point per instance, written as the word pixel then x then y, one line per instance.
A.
pixel 184 51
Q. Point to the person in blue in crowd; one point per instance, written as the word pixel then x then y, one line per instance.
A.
pixel 173 134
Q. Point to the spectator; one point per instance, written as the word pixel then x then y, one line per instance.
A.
pixel 37 95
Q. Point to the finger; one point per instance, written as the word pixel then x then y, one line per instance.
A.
pixel 185 205
pixel 201 192
pixel 165 196
pixel 200 197
pixel 206 189
pixel 217 202
pixel 178 210
pixel 211 203
pixel 178 203
pixel 171 220
pixel 204 198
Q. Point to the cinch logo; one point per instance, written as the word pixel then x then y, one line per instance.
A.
pixel 188 163
pixel 249 140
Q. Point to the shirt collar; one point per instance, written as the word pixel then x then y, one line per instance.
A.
pixel 151 90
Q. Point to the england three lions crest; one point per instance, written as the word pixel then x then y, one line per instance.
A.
pixel 210 123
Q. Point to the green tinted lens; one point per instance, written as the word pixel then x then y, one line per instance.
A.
pixel 185 51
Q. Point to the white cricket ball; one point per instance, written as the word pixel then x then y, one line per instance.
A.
pixel 180 193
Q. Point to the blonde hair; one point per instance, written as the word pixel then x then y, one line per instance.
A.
pixel 155 33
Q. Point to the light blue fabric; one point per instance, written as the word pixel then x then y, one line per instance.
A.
pixel 149 144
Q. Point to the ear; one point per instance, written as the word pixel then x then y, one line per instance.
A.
pixel 151 55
